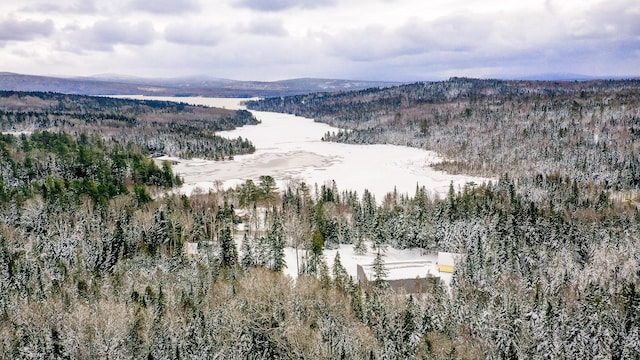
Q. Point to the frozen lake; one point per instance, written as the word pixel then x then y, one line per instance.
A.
pixel 289 147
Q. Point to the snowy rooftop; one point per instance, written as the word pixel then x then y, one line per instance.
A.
pixel 410 269
pixel 402 264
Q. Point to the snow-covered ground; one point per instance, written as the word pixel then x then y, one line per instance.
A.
pixel 289 147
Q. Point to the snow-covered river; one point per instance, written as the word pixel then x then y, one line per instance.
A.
pixel 289 147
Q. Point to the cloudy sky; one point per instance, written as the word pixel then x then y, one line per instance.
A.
pixel 402 40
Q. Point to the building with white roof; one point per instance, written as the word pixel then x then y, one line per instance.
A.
pixel 413 275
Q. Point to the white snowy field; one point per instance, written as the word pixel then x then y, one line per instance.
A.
pixel 289 147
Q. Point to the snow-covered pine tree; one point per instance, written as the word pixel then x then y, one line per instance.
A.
pixel 314 258
pixel 339 272
pixel 380 271
pixel 277 244
pixel 247 260
pixel 325 279
pixel 359 246
pixel 228 251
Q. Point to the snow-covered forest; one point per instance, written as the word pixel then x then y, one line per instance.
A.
pixel 550 267
pixel 586 131
pixel 157 127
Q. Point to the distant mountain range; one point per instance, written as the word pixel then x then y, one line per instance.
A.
pixel 185 86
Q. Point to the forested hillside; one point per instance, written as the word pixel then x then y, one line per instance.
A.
pixel 170 128
pixel 91 266
pixel 585 131
pixel 61 169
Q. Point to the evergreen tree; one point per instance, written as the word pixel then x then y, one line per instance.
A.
pixel 359 246
pixel 339 272
pixel 142 195
pixel 247 259
pixel 137 338
pixel 158 235
pixel 262 253
pixel 267 188
pixel 368 212
pixel 409 335
pixel 323 274
pixel 228 251
pixel 380 271
pixel 277 244
pixel 317 243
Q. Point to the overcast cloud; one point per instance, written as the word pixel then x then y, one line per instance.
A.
pixel 188 34
pixel 402 40
pixel 103 35
pixel 24 30
pixel 266 27
pixel 80 7
pixel 278 5
pixel 169 7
